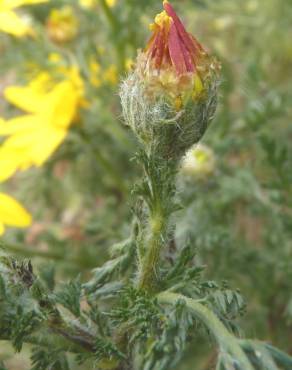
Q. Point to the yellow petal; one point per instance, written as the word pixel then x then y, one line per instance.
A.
pixel 32 139
pixel 30 145
pixel 8 167
pixel 17 125
pixel 11 23
pixel 56 102
pixel 29 98
pixel 43 149
pixel 61 104
pixel 12 4
pixel 2 229
pixel 12 213
pixel 13 158
pixel 198 87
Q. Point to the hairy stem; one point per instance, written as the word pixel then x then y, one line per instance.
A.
pixel 148 272
pixel 158 194
pixel 226 341
pixel 79 337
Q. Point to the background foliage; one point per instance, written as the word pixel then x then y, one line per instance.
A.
pixel 238 216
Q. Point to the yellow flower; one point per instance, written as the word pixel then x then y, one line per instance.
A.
pixel 12 213
pixel 12 23
pixel 62 24
pixel 32 138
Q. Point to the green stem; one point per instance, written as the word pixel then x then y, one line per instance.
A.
pixel 71 330
pixel 158 194
pixel 79 337
pixel 281 358
pixel 148 269
pixel 226 341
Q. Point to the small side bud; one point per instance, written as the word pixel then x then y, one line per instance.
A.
pixel 198 163
pixel 171 96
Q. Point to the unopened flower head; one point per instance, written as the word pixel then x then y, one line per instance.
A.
pixel 173 88
pixel 174 62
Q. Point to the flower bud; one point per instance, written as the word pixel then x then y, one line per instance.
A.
pixel 171 96
pixel 199 162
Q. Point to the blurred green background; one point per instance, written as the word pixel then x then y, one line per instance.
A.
pixel 238 215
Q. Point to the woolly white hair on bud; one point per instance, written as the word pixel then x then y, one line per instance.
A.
pixel 156 122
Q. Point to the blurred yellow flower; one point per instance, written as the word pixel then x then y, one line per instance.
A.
pixel 100 49
pixel 111 3
pixel 12 213
pixel 110 74
pixel 12 23
pixel 199 161
pixel 94 73
pixel 223 23
pixel 252 5
pixel 89 4
pixel 51 107
pixel 99 76
pixel 62 24
pixel 55 58
pixel 129 64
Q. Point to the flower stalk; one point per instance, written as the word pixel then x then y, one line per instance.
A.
pixel 158 191
pixel 227 342
pixel 148 271
pixel 168 101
